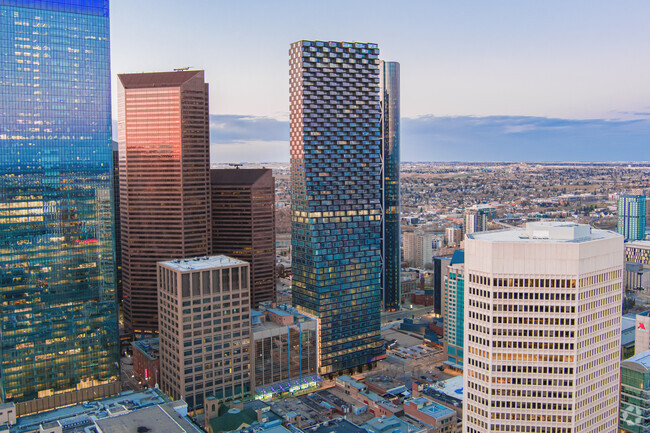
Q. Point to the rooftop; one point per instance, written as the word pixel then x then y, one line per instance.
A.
pixel 388 383
pixel 282 313
pixel 204 262
pixel 148 346
pixel 155 419
pixel 638 244
pixel 545 232
pixel 79 415
pixel 386 425
pixel 156 79
pixel 641 360
pixel 452 387
pixel 266 328
pixel 458 257
pixel 238 176
pixel 274 428
pixel 310 411
pixel 337 425
pixel 483 206
pixel 233 419
pixel 352 382
pixel 437 410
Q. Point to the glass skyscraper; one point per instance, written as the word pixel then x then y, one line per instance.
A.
pixel 336 185
pixel 390 194
pixel 58 312
pixel 635 399
pixel 631 216
pixel 453 309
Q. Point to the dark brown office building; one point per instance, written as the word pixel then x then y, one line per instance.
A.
pixel 164 151
pixel 243 224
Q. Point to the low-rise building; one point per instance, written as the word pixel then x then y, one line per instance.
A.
pixel 125 412
pixel 448 393
pixel 252 416
pixel 391 424
pixel 146 363
pixel 7 414
pixel 285 350
pixel 436 415
pixel 378 405
pixel 302 411
pixel 165 418
pixel 337 425
pixel 385 385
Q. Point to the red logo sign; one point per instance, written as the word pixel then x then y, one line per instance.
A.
pixel 641 326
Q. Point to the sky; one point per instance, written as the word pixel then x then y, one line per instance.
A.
pixel 480 81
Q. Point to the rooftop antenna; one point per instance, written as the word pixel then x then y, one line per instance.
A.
pixel 187 68
pixel 235 165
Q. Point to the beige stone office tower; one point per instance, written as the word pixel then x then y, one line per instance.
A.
pixel 164 153
pixel 542 329
pixel 205 329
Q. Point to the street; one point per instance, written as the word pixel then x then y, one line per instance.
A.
pixel 126 373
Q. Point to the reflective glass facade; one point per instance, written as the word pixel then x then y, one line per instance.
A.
pixel 284 350
pixel 390 194
pixel 164 151
pixel 243 224
pixel 631 216
pixel 336 184
pixel 635 394
pixel 57 290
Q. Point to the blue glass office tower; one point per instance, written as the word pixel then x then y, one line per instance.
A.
pixel 58 313
pixel 336 187
pixel 389 79
pixel 631 211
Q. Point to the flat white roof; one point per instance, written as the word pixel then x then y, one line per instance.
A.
pixel 453 387
pixel 204 262
pixel 638 244
pixel 544 232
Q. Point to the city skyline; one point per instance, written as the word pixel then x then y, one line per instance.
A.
pixel 486 82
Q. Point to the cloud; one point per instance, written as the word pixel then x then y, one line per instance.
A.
pixel 523 138
pixel 238 138
pixel 235 138
pixel 230 128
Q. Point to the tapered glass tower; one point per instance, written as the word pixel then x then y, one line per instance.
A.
pixel 390 191
pixel 57 291
pixel 336 186
pixel 164 143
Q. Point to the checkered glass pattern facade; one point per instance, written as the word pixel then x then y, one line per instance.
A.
pixel 57 291
pixel 336 196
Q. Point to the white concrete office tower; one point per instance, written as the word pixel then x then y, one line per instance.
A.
pixel 418 250
pixel 542 329
pixel 205 329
